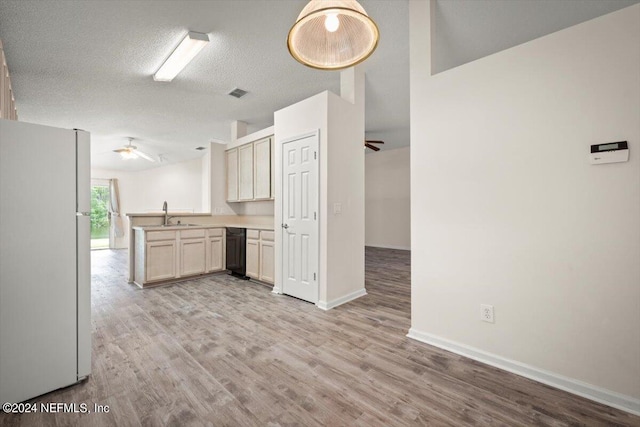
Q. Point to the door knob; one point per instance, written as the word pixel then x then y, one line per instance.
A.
pixel 285 226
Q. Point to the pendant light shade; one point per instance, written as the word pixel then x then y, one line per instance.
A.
pixel 332 35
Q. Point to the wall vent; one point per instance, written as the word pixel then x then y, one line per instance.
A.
pixel 238 93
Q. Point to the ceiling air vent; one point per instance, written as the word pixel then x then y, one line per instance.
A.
pixel 201 148
pixel 238 93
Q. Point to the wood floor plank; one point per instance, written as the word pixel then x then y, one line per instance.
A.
pixel 218 351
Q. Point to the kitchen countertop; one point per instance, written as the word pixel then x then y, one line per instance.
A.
pixel 252 226
pixel 195 227
pixel 174 214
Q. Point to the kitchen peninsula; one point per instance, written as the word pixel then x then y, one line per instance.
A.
pixel 192 245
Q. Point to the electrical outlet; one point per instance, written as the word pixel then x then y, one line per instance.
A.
pixel 337 208
pixel 486 313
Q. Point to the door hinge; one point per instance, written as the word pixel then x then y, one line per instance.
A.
pixel 315 155
pixel 315 216
pixel 314 276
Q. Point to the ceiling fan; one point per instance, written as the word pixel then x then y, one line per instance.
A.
pixel 131 152
pixel 368 144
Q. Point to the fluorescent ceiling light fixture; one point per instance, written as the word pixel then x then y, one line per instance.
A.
pixel 181 56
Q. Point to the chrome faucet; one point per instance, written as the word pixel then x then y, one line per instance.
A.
pixel 165 208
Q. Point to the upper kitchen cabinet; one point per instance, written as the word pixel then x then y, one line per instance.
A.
pixel 250 171
pixel 245 172
pixel 262 173
pixel 232 175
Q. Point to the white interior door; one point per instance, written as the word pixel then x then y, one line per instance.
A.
pixel 300 240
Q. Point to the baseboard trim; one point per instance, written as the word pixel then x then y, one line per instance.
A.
pixel 595 393
pixel 324 305
pixel 402 248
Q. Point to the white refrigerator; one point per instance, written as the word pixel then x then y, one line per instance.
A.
pixel 45 277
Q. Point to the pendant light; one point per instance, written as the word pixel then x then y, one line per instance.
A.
pixel 332 35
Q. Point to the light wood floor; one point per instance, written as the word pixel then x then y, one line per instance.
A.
pixel 219 351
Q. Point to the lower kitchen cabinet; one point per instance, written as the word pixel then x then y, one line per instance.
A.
pixel 160 264
pixel 163 255
pixel 192 257
pixel 215 250
pixel 267 261
pixel 253 258
pixel 261 255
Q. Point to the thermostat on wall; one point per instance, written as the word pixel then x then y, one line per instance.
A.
pixel 611 152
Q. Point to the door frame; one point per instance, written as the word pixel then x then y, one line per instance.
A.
pixel 105 182
pixel 279 286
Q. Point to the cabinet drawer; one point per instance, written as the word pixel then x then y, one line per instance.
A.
pixel 215 232
pixel 192 234
pixel 268 235
pixel 253 234
pixel 160 235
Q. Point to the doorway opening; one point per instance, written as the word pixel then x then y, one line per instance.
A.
pixel 100 218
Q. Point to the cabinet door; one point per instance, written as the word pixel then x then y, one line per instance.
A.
pixel 215 258
pixel 262 162
pixel 192 257
pixel 253 258
pixel 245 172
pixel 232 175
pixel 161 261
pixel 267 261
pixel 273 168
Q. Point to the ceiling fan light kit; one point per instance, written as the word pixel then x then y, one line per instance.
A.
pixel 129 152
pixel 188 48
pixel 333 35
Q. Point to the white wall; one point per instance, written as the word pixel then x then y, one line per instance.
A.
pixel 180 184
pixel 506 209
pixel 341 168
pixel 215 179
pixel 343 173
pixel 388 199
pixel 301 118
pixel 207 185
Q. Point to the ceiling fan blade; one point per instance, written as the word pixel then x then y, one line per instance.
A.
pixel 373 147
pixel 121 150
pixel 368 141
pixel 144 156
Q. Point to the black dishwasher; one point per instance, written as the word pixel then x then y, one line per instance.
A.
pixel 237 251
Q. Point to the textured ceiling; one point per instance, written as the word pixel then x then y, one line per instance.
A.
pixel 466 30
pixel 88 64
